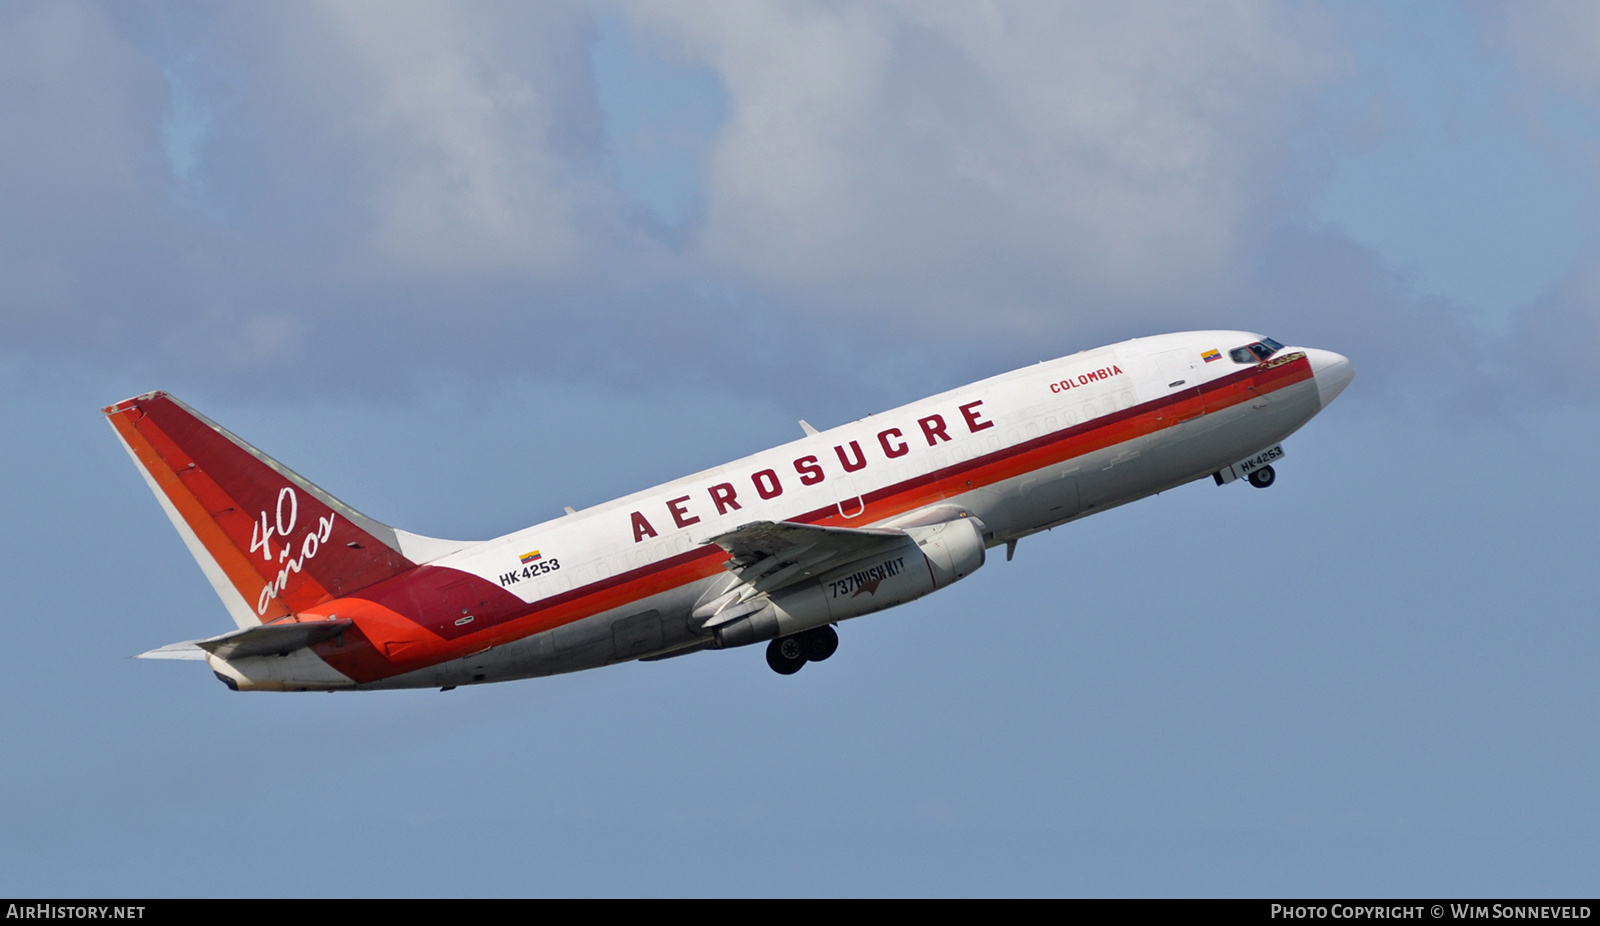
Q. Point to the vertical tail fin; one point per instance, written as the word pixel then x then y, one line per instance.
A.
pixel 270 542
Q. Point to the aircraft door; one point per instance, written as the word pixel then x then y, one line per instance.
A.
pixel 455 608
pixel 1053 498
pixel 1178 377
pixel 1033 502
pixel 851 504
pixel 637 635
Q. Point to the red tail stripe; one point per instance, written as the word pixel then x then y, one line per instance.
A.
pixel 229 558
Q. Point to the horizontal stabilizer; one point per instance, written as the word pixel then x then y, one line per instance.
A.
pixel 261 640
pixel 186 650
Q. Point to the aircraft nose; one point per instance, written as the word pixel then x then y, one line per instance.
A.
pixel 1332 372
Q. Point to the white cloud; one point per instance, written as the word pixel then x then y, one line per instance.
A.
pixel 466 120
pixel 79 173
pixel 1554 46
pixel 1553 41
pixel 444 138
pixel 428 182
pixel 1017 153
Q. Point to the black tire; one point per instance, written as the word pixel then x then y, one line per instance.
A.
pixel 1263 477
pixel 819 642
pixel 786 655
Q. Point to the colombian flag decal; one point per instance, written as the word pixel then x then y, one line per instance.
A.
pixel 529 557
pixel 1211 355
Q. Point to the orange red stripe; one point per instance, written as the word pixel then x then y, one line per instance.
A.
pixel 202 517
pixel 421 648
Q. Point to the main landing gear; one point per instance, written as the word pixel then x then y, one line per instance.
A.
pixel 787 654
pixel 1262 477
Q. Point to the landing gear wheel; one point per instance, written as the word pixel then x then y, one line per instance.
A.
pixel 1262 477
pixel 786 655
pixel 819 642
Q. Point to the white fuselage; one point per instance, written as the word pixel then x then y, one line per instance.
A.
pixel 1020 452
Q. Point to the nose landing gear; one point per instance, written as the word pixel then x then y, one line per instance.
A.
pixel 1262 477
pixel 787 654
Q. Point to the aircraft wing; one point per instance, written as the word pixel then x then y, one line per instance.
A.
pixel 768 555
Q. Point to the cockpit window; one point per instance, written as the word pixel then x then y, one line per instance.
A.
pixel 1254 353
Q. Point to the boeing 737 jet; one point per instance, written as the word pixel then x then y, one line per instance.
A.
pixel 776 548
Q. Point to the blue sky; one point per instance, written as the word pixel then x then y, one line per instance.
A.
pixel 462 266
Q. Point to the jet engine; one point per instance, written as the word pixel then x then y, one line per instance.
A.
pixel 930 557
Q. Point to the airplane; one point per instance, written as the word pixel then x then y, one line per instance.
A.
pixel 776 548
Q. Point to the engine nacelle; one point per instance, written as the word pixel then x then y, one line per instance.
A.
pixel 954 548
pixel 931 557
